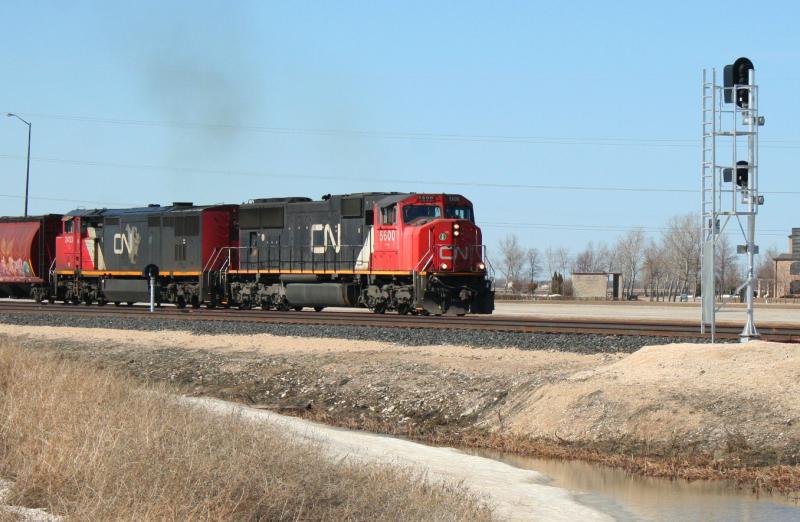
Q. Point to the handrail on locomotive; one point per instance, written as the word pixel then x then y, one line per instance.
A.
pixel 331 260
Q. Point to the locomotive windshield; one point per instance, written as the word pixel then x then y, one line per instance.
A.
pixel 458 212
pixel 418 214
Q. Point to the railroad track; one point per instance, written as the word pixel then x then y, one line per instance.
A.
pixel 595 326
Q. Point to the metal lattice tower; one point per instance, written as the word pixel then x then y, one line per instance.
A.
pixel 729 180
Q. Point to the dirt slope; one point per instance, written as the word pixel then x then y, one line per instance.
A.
pixel 708 397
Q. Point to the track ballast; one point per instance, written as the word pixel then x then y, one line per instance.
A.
pixel 482 323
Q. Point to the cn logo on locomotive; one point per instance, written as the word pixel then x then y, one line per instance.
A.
pixel 327 236
pixel 130 240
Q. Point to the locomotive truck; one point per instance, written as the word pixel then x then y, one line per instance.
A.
pixel 403 252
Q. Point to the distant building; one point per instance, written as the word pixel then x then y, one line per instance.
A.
pixel 597 285
pixel 787 268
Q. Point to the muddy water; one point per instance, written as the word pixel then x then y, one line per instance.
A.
pixel 521 488
pixel 630 498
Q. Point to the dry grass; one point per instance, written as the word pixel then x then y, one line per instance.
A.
pixel 93 445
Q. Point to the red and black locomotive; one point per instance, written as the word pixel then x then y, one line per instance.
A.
pixel 410 253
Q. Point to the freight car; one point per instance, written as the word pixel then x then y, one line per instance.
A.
pixel 27 249
pixel 109 255
pixel 410 253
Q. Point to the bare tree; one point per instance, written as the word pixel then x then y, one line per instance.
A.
pixel 586 260
pixel 728 272
pixel 591 259
pixel 534 265
pixel 551 257
pixel 512 258
pixel 606 258
pixel 562 258
pixel 681 242
pixel 765 272
pixel 654 270
pixel 630 249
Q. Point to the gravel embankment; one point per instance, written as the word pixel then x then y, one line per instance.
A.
pixel 579 343
pixel 692 411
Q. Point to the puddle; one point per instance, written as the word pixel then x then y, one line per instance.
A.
pixel 632 498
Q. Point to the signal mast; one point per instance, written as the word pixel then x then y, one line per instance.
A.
pixel 729 180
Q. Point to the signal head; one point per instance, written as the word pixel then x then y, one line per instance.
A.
pixel 737 73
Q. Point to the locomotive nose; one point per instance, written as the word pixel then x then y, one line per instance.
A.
pixel 454 245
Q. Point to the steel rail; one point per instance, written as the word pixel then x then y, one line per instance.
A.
pixel 498 323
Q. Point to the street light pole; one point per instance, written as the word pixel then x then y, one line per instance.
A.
pixel 28 168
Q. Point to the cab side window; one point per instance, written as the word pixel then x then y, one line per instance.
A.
pixel 253 244
pixel 68 227
pixel 389 215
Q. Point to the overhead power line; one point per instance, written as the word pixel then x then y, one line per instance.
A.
pixel 371 179
pixel 577 227
pixel 68 200
pixel 780 143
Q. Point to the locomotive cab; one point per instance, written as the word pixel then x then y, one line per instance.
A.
pixel 428 233
pixel 434 239
pixel 77 246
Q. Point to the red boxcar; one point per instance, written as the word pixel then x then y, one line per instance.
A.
pixel 27 250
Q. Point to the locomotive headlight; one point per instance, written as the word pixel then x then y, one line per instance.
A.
pixel 456 233
pixel 444 266
pixel 456 226
pixel 481 266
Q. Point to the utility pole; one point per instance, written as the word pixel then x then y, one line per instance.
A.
pixel 28 168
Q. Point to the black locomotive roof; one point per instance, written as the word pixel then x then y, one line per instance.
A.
pixel 371 196
pixel 293 199
pixel 151 209
pixel 385 202
pixel 23 219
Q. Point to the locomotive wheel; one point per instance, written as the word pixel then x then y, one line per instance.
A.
pixel 298 308
pixel 265 305
pixel 101 302
pixel 319 308
pixel 244 305
pixel 117 303
pixel 404 309
pixel 181 302
pixel 129 303
pixel 283 307
pixel 74 301
pixel 211 304
pixel 87 301
pixel 379 309
pixel 195 302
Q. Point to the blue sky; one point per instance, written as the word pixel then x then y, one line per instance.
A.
pixel 138 102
